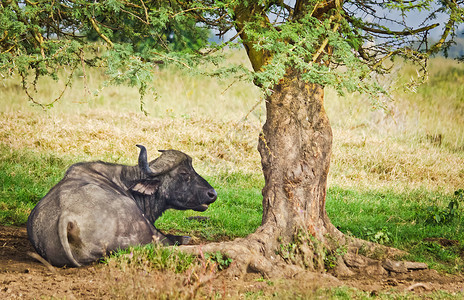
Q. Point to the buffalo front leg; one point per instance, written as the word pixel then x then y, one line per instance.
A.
pixel 170 239
pixel 179 239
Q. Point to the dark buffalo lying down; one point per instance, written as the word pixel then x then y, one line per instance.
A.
pixel 100 207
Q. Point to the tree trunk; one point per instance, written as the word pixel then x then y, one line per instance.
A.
pixel 295 147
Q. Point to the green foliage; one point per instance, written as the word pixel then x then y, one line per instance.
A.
pixel 40 37
pixel 324 43
pixel 267 281
pixel 435 214
pixel 459 195
pixel 303 250
pixel 288 251
pixel 222 261
pixel 331 256
pixel 382 236
pixel 296 45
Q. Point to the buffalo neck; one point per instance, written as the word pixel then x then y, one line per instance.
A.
pixel 131 174
pixel 152 206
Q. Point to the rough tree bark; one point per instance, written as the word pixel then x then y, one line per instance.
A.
pixel 295 147
pixel 296 233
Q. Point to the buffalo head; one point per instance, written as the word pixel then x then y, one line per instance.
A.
pixel 172 177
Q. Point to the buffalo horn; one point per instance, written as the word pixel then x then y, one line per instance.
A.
pixel 168 160
pixel 143 161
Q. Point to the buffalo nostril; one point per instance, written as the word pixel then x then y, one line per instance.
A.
pixel 212 195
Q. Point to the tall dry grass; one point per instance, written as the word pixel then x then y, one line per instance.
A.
pixel 417 142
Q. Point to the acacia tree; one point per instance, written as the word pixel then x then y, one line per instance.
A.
pixel 296 48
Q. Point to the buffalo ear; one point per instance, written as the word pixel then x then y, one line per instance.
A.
pixel 146 187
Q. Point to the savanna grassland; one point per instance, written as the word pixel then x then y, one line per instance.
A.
pixel 397 168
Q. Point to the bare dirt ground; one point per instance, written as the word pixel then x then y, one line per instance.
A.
pixel 23 277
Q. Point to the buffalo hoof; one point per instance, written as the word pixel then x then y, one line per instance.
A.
pixel 179 239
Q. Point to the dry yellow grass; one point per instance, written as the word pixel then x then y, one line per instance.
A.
pixel 417 142
pixel 391 149
pixel 112 136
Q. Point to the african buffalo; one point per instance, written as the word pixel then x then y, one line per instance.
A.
pixel 100 207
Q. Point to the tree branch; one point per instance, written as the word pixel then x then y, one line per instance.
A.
pixel 449 25
pixel 326 40
pixel 146 12
pixel 137 17
pixel 400 33
pixel 97 29
pixel 5 34
pixel 9 49
pixel 193 9
pixel 50 104
pixel 173 59
pixel 244 14
pixel 39 38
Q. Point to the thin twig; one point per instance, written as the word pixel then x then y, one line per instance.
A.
pixel 9 49
pixel 194 8
pixel 324 44
pixel 135 16
pixel 224 44
pixel 146 12
pixel 44 106
pixel 173 59
pixel 86 86
pixel 252 109
pixel 5 34
pixel 39 38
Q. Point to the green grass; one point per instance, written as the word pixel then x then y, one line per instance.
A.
pixel 236 213
pixel 347 293
pixel 25 177
pixel 402 220
pixel 152 257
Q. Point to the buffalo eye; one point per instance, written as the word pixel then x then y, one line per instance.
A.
pixel 184 174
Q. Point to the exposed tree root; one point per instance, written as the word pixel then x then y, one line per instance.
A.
pixel 371 259
pixel 252 255
pixel 247 258
pixel 418 285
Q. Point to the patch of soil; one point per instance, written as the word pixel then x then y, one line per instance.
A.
pixel 13 250
pixel 23 277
